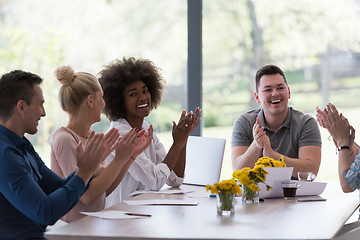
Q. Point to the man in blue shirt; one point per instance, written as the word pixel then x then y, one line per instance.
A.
pixel 31 195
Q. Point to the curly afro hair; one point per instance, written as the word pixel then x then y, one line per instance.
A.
pixel 116 76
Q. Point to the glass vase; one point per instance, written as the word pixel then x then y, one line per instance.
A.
pixel 225 203
pixel 249 196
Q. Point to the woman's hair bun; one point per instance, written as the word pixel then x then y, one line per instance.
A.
pixel 64 74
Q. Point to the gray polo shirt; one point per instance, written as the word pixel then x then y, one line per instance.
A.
pixel 298 130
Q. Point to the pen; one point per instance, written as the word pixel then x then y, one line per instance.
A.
pixel 212 195
pixel 138 214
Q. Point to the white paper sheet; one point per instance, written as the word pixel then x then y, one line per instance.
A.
pixel 161 202
pixel 161 191
pixel 112 215
pixel 198 194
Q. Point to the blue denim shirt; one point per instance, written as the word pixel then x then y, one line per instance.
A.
pixel 31 195
pixel 352 176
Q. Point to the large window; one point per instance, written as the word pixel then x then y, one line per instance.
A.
pixel 316 43
pixel 39 36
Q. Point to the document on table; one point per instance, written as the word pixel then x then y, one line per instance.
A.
pixel 202 193
pixel 161 191
pixel 161 202
pixel 116 214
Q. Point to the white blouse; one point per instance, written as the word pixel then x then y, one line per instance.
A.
pixel 147 171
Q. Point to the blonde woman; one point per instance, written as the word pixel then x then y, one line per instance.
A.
pixel 81 97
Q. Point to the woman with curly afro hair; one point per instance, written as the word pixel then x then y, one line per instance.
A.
pixel 132 88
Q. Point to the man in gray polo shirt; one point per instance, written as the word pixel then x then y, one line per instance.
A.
pixel 275 129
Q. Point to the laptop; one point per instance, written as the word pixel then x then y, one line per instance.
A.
pixel 204 157
pixel 275 178
pixel 310 188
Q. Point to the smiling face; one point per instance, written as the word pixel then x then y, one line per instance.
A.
pixel 34 111
pixel 273 94
pixel 137 100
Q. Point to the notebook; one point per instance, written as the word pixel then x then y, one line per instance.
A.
pixel 274 179
pixel 204 157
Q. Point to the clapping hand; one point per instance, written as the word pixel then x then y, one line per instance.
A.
pixel 261 140
pixel 181 130
pixel 337 125
pixel 124 147
pixel 111 138
pixel 186 124
pixel 320 117
pixel 144 140
pixel 195 119
pixel 258 133
pixel 91 155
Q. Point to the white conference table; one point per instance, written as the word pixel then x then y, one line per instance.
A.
pixel 272 219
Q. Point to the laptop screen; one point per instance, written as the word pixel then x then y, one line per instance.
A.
pixel 204 157
pixel 274 179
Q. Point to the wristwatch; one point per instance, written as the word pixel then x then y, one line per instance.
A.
pixel 343 147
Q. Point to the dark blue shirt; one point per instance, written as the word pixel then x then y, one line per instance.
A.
pixel 31 195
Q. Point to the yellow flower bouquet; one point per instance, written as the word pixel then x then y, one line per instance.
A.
pixel 250 178
pixel 225 186
pixel 225 192
pixel 269 162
